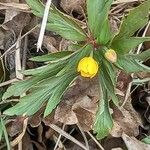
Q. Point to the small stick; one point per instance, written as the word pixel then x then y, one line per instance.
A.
pixel 8 82
pixel 84 136
pixel 94 139
pixel 58 140
pixel 66 135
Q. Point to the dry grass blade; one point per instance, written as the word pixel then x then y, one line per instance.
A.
pixel 20 7
pixel 18 60
pixel 66 135
pixel 84 136
pixel 94 139
pixel 58 140
pixel 126 1
pixel 8 82
pixel 9 49
pixel 43 26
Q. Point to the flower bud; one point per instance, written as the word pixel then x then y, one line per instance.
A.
pixel 111 55
pixel 88 67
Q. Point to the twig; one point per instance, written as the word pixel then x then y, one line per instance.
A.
pixel 58 140
pixel 84 136
pixel 8 101
pixel 63 133
pixel 43 26
pixel 144 33
pixel 20 145
pixel 94 139
pixel 9 49
pixel 125 1
pixel 8 82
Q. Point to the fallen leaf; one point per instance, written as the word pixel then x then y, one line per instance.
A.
pixel 126 120
pixel 133 144
pixel 72 5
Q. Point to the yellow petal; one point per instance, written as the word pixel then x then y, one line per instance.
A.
pixel 88 67
pixel 83 74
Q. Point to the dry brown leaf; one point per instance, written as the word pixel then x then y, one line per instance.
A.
pixel 79 104
pixel 133 144
pixel 123 80
pixel 72 5
pixel 126 120
pixel 15 126
pixel 36 119
pixel 64 114
pixel 85 111
pixel 26 142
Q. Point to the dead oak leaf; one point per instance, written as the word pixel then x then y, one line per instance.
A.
pixel 133 144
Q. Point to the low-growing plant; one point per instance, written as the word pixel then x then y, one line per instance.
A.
pixel 97 51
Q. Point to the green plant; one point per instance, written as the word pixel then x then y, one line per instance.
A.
pixel 49 82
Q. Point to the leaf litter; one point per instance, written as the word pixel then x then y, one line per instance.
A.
pixel 79 103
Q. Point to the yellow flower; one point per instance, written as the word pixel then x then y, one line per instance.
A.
pixel 111 55
pixel 88 67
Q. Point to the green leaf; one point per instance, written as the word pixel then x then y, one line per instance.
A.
pixel 40 74
pixel 5 134
pixel 29 104
pixel 50 69
pixel 58 92
pixel 65 26
pixel 130 65
pixel 124 45
pixel 97 11
pixel 144 56
pixel 32 102
pixel 105 34
pixel 1 131
pixel 136 19
pixel 103 122
pixel 146 140
pixel 73 62
pixel 52 56
pixel 108 80
pixel 58 22
pixel 36 6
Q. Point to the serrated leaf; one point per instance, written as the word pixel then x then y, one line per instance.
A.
pixel 103 122
pixel 58 22
pixel 97 11
pixel 40 74
pixel 144 56
pixel 124 45
pixel 58 92
pixel 51 56
pixel 136 19
pixel 131 65
pixel 32 102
